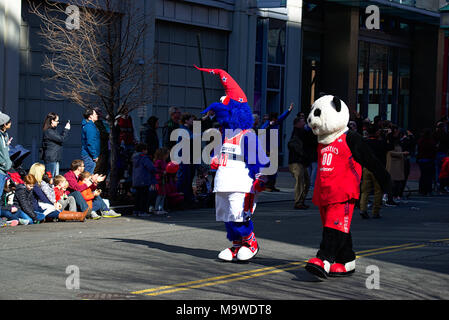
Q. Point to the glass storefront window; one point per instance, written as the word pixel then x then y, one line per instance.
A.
pixel 273 77
pixel 270 70
pixel 383 82
pixel 276 41
pixel 388 25
pixel 259 40
pixel 404 85
pixel 311 86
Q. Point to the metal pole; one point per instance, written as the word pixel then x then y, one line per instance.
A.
pixel 201 66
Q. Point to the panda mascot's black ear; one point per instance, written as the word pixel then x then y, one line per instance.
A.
pixel 337 103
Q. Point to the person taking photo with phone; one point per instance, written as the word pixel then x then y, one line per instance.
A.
pixel 52 141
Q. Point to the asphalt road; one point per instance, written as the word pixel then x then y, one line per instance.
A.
pixel 404 255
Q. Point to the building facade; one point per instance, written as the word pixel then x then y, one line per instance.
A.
pixel 279 51
pixel 395 70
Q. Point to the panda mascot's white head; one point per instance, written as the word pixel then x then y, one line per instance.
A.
pixel 328 118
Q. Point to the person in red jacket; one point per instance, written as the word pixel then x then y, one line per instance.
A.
pixel 444 175
pixel 75 189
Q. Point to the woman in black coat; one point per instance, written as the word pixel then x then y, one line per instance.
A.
pixel 52 142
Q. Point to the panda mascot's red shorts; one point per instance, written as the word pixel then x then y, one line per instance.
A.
pixel 338 215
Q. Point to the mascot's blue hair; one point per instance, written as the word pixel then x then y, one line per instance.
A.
pixel 234 115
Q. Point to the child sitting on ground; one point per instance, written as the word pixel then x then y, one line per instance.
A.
pixel 61 194
pixel 93 199
pixel 10 214
pixel 26 202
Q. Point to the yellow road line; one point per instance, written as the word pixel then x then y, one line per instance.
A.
pixel 215 278
pixel 439 240
pixel 267 270
pixel 300 264
pixel 393 250
pixel 389 247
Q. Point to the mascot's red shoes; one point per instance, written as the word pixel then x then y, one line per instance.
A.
pixel 318 267
pixel 342 270
pixel 249 248
pixel 230 254
pixel 324 269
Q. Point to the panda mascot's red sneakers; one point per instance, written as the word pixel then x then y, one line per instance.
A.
pixel 318 267
pixel 342 270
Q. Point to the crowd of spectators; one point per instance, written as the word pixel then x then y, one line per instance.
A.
pixel 395 148
pixel 155 185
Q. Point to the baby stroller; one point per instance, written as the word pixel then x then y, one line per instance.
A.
pixel 17 154
pixel 204 196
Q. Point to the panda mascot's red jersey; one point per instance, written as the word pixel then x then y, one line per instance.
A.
pixel 341 156
pixel 336 167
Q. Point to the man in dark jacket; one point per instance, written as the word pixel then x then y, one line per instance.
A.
pixel 378 147
pixel 102 166
pixel 298 161
pixel 90 140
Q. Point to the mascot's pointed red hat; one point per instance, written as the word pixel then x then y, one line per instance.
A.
pixel 232 89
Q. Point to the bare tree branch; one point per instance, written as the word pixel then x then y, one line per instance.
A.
pixel 97 65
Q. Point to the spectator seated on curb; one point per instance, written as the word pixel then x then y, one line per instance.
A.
pixel 10 213
pixel 26 202
pixel 75 189
pixel 93 199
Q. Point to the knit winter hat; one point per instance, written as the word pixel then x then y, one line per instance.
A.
pixel 4 118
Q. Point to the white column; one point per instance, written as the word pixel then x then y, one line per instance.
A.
pixel 293 68
pixel 242 47
pixel 10 19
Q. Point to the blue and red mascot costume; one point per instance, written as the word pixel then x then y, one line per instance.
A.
pixel 238 178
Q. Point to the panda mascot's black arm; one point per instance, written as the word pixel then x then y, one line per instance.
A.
pixel 365 156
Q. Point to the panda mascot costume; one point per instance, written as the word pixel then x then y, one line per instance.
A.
pixel 341 156
pixel 238 178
